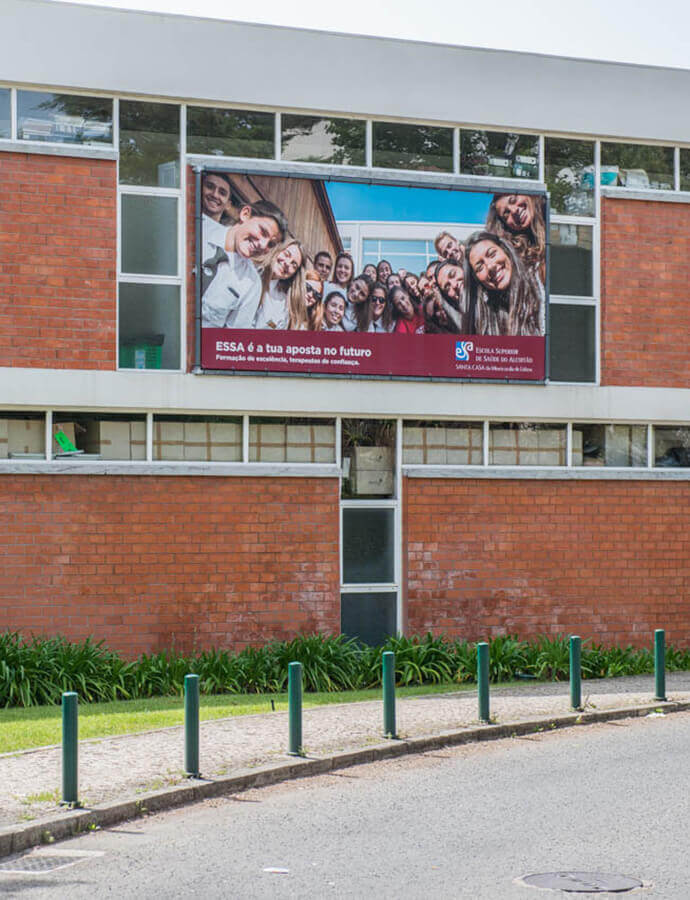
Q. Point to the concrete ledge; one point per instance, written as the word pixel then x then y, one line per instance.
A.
pixel 38 148
pixel 63 466
pixel 61 825
pixel 651 196
pixel 573 473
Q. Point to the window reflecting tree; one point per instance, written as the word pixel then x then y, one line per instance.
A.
pixel 421 147
pixel 230 132
pixel 149 143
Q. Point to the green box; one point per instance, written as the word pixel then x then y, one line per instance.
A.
pixel 144 352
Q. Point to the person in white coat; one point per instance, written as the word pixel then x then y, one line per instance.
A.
pixel 232 288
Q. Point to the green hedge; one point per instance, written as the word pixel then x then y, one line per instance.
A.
pixel 36 671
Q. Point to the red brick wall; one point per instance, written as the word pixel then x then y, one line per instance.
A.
pixel 603 559
pixel 57 261
pixel 148 562
pixel 645 293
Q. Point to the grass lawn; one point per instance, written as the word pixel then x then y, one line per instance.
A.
pixel 38 726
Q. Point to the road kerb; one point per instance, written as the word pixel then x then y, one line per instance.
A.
pixel 69 823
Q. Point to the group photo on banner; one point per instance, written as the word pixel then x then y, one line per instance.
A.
pixel 272 259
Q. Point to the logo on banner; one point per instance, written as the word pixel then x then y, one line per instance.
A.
pixel 463 350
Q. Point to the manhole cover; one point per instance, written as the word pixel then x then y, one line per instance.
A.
pixel 583 882
pixel 38 861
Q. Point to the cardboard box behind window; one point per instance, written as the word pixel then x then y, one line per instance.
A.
pixel 22 436
pixel 115 440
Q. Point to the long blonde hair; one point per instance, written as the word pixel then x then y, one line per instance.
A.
pixel 294 287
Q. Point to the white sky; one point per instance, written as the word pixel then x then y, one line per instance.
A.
pixel 621 30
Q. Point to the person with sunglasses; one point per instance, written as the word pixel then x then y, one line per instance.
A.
pixel 381 320
pixel 314 301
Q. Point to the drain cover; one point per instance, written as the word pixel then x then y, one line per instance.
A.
pixel 583 882
pixel 39 861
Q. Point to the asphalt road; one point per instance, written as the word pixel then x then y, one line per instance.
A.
pixel 464 822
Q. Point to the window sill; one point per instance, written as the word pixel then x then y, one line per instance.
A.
pixel 623 193
pixel 575 473
pixel 125 467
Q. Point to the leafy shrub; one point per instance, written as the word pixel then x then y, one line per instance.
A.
pixel 36 671
pixel 507 657
pixel 552 660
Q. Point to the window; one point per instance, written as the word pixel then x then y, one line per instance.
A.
pixel 672 446
pixel 637 166
pixel 569 170
pixel 499 153
pixel 684 169
pixel 230 132
pixel 368 545
pixel 5 113
pixel 320 140
pixel 149 235
pixel 149 144
pixel 421 147
pixel 368 617
pixel 368 452
pixel 22 435
pixel 572 346
pixel 291 440
pixel 571 260
pixel 149 326
pixel 527 444
pixel 610 445
pixel 99 435
pixel 204 439
pixel 150 289
pixel 64 118
pixel 443 443
pixel 413 255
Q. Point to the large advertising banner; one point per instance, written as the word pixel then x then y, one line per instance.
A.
pixel 303 275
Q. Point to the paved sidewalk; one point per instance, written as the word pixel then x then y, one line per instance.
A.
pixel 113 769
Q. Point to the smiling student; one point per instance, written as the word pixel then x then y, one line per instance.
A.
pixel 283 303
pixel 409 320
pixel 381 318
pixel 449 247
pixel 519 219
pixel 323 263
pixel 215 196
pixel 232 284
pixel 506 296
pixel 333 311
pixel 356 316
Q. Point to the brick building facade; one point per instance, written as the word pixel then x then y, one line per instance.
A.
pixel 165 538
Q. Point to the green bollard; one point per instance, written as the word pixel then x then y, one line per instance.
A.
pixel 483 680
pixel 70 748
pixel 191 726
pixel 575 672
pixel 388 679
pixel 660 664
pixel 295 709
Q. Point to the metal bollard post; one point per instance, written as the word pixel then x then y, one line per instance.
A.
pixel 191 726
pixel 295 709
pixel 388 679
pixel 483 680
pixel 575 672
pixel 660 664
pixel 70 748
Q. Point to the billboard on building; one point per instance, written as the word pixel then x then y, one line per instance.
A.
pixel 304 275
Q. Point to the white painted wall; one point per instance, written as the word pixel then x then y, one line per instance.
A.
pixel 109 50
pixel 163 392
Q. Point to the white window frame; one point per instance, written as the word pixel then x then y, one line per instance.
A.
pixel 180 279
